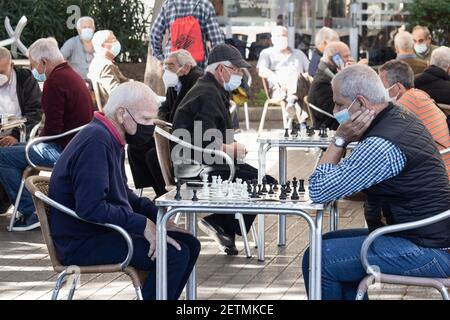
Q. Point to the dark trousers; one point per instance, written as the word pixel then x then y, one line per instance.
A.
pixel 229 224
pixel 145 167
pixel 111 248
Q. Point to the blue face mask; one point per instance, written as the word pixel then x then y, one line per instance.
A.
pixel 232 84
pixel 87 34
pixel 41 77
pixel 116 48
pixel 343 115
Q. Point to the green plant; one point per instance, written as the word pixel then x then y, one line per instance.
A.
pixel 259 98
pixel 48 18
pixel 434 14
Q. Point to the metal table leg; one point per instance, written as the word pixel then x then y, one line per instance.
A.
pixel 161 256
pixel 262 152
pixel 282 170
pixel 317 269
pixel 191 286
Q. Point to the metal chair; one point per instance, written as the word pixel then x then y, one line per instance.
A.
pixel 38 187
pixel 271 102
pixel 32 168
pixel 234 106
pixel 375 275
pixel 163 137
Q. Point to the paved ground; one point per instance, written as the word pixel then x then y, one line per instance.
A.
pixel 26 272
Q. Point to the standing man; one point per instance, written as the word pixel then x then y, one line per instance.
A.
pixel 66 104
pixel 79 51
pixel 201 10
pixel 422 43
pixel 404 46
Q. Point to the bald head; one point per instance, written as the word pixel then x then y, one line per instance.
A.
pixel 334 48
pixel 404 43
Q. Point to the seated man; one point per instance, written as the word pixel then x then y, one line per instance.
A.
pixel 205 111
pixel 423 46
pixel 435 80
pixel 90 179
pixel 398 79
pixel 404 46
pixel 180 75
pixel 320 94
pixel 19 95
pixel 323 37
pixel 79 51
pixel 66 103
pixel 102 70
pixel 397 165
pixel 282 66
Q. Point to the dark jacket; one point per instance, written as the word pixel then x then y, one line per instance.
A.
pixel 29 96
pixel 436 82
pixel 167 110
pixel 314 63
pixel 321 95
pixel 421 190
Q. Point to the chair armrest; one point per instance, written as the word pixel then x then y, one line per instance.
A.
pixel 445 151
pixel 185 144
pixel 321 111
pixel 39 140
pixel 395 228
pixel 72 213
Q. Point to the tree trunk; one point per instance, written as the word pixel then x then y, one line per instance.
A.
pixel 153 69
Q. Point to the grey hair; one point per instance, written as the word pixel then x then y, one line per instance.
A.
pixel 85 18
pixel 440 57
pixel 424 29
pixel 404 41
pixel 183 57
pixel 99 39
pixel 45 48
pixel 326 35
pixel 5 54
pixel 398 72
pixel 331 49
pixel 361 80
pixel 129 95
pixel 211 68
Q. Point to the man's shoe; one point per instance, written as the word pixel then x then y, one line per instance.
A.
pixel 230 250
pixel 217 233
pixel 26 223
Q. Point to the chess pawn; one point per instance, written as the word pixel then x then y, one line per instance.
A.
pixel 178 194
pixel 288 187
pixel 286 133
pixel 249 186
pixel 260 190
pixel 271 189
pixel 254 192
pixel 275 187
pixel 194 198
pixel 283 195
pixel 302 186
pixel 264 189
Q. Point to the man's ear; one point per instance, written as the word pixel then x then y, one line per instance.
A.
pixel 120 112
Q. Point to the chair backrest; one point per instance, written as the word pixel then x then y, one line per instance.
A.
pixel 41 184
pixel 163 152
pixel 311 116
pixel 265 83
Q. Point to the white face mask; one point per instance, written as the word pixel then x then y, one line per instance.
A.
pixel 116 48
pixel 388 90
pixel 87 34
pixel 420 48
pixel 3 80
pixel 170 79
pixel 280 43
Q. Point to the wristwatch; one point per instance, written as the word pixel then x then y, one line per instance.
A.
pixel 340 142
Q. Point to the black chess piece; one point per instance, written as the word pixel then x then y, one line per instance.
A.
pixel 283 194
pixel 264 188
pixel 301 187
pixel 249 186
pixel 294 182
pixel 275 187
pixel 311 132
pixel 325 133
pixel 288 187
pixel 254 192
pixel 295 129
pixel 271 189
pixel 178 194
pixel 260 193
pixel 195 198
pixel 286 133
pixel 295 195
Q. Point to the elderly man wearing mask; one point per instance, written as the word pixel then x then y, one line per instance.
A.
pixel 103 71
pixel 90 179
pixel 282 66
pixel 422 43
pixel 79 51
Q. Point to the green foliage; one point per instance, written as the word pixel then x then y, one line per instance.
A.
pixel 434 14
pixel 259 98
pixel 127 18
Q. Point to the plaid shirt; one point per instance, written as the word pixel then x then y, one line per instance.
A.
pixel 204 12
pixel 374 160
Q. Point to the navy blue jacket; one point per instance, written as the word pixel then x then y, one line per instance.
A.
pixel 89 178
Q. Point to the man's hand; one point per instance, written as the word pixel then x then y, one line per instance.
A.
pixel 236 150
pixel 353 129
pixel 150 235
pixel 171 226
pixel 8 141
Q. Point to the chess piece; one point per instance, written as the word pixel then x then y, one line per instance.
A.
pixel 271 189
pixel 283 195
pixel 275 187
pixel 288 187
pixel 295 129
pixel 301 187
pixel 178 194
pixel 264 189
pixel 254 193
pixel 260 193
pixel 294 195
pixel 194 198
pixel 294 182
pixel 286 133
pixel 249 186
pixel 311 132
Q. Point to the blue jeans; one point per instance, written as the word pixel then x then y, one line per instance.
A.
pixel 342 269
pixel 13 163
pixel 110 248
